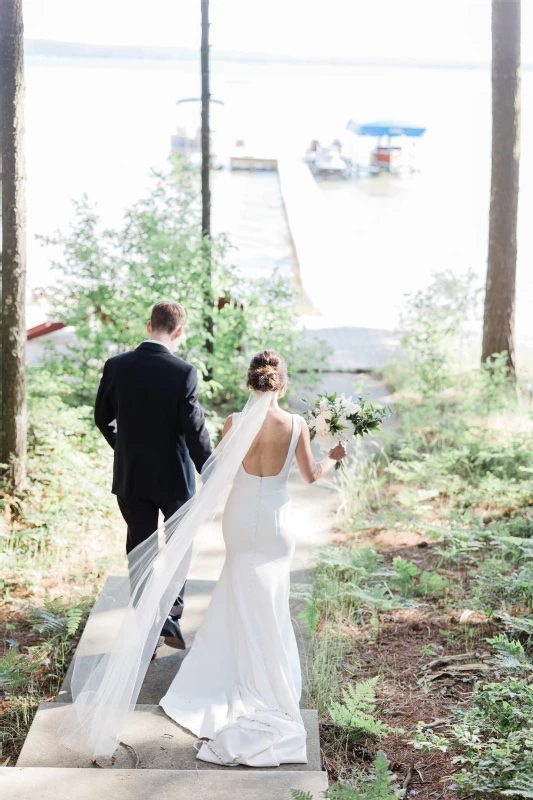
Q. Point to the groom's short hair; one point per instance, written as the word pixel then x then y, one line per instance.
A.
pixel 167 316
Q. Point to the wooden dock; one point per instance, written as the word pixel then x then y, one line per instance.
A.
pixel 253 164
pixel 307 224
pixel 323 244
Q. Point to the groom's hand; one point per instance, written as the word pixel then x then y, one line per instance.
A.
pixel 193 422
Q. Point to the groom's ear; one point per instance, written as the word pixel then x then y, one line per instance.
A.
pixel 179 333
pixel 149 326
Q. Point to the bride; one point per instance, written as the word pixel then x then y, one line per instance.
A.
pixel 248 706
pixel 238 689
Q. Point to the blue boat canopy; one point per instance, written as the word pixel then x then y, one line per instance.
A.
pixel 386 128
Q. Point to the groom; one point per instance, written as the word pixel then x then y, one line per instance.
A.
pixel 147 408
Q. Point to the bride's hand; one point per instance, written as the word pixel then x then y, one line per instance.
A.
pixel 338 452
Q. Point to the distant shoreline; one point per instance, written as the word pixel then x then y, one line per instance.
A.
pixel 54 49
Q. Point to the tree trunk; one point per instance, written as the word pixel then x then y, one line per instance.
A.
pixel 206 189
pixel 1 181
pixel 13 243
pixel 498 326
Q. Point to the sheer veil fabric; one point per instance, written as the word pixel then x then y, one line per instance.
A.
pixel 106 684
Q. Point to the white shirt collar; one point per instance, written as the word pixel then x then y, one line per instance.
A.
pixel 154 341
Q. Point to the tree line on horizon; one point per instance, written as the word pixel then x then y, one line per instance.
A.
pixel 499 311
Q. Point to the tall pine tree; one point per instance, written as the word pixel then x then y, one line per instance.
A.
pixel 499 316
pixel 13 242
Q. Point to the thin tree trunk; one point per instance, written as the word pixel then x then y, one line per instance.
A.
pixel 13 243
pixel 206 188
pixel 498 326
pixel 1 181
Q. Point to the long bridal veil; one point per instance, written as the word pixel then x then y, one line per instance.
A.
pixel 106 684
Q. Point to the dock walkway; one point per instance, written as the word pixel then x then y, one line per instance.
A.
pixel 318 238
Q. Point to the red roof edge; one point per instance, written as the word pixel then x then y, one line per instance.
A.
pixel 43 329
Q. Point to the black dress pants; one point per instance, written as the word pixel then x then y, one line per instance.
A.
pixel 142 517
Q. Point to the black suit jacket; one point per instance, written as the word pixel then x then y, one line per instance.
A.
pixel 153 396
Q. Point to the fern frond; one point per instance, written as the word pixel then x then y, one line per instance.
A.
pixel 45 621
pixel 355 714
pixel 362 696
pixel 382 784
pixel 297 794
pixel 342 790
pixel 373 596
pixel 511 656
pixel 74 617
pixel 12 671
pixel 55 620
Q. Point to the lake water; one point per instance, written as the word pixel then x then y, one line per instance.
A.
pixel 98 126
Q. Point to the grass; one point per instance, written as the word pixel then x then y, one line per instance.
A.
pixel 432 561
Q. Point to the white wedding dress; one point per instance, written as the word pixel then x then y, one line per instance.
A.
pixel 239 686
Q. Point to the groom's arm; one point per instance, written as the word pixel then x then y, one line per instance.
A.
pixel 104 412
pixel 193 422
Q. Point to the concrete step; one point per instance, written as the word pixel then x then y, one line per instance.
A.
pixel 98 632
pixel 101 628
pixel 161 784
pixel 157 741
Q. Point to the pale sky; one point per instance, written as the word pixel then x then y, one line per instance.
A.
pixel 454 30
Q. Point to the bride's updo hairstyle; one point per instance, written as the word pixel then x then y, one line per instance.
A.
pixel 267 372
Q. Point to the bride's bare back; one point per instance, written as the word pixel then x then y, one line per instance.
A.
pixel 268 453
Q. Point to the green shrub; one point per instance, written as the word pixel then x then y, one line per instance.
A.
pixel 111 278
pixel 494 736
pixel 433 320
pixel 406 572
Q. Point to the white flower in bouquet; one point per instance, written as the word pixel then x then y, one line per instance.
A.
pixel 350 408
pixel 321 424
pixel 347 434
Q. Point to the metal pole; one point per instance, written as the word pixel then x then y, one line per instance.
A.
pixel 206 189
pixel 206 97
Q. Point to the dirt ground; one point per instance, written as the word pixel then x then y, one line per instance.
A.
pixel 428 659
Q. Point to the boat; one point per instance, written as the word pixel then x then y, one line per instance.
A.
pixel 390 153
pixel 328 161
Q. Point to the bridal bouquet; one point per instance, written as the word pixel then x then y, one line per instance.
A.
pixel 333 419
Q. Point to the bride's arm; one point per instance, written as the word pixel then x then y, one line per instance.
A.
pixel 227 426
pixel 310 469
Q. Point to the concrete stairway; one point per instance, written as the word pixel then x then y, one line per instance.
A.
pixel 161 760
pixel 167 768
